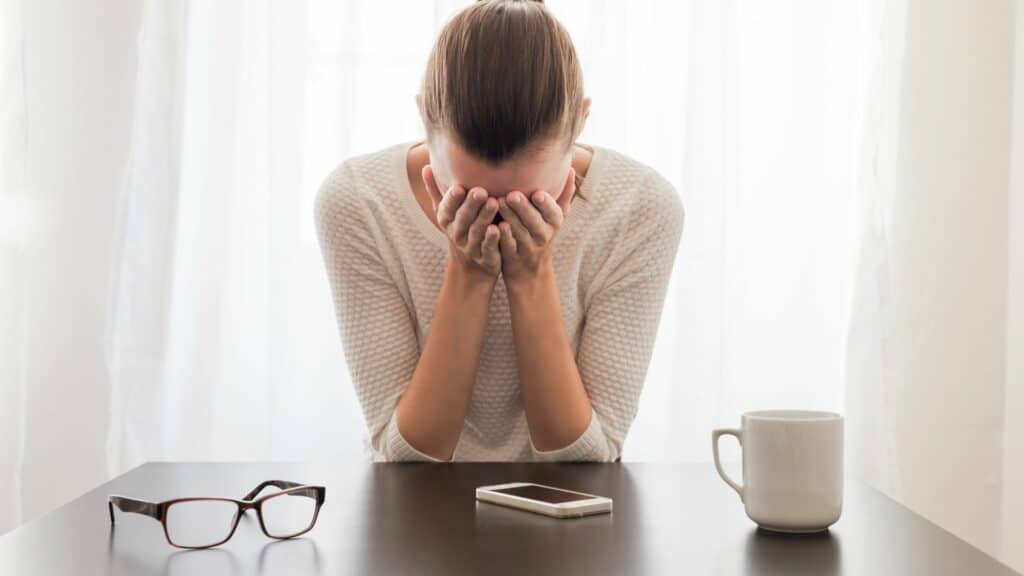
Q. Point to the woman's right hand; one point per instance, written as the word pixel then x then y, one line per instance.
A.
pixel 467 220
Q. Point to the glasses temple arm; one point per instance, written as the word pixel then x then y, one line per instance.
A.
pixel 282 484
pixel 131 505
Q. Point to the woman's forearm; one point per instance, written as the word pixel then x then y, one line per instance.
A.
pixel 432 408
pixel 556 403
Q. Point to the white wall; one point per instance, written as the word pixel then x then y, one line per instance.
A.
pixel 12 197
pixel 79 82
pixel 949 249
pixel 928 419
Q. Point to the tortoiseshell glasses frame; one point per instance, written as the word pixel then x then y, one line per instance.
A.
pixel 158 510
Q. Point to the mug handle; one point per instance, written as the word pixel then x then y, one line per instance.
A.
pixel 715 435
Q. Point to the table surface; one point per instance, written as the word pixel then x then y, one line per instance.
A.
pixel 424 519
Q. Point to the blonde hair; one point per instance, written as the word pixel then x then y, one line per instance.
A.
pixel 502 78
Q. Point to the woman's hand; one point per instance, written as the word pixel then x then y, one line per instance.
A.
pixel 466 219
pixel 529 228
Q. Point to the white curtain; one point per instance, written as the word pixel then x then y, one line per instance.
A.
pixel 754 111
pixel 201 130
pixel 218 337
pixel 222 342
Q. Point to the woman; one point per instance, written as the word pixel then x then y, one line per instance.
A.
pixel 481 317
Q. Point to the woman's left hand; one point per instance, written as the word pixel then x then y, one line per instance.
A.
pixel 528 229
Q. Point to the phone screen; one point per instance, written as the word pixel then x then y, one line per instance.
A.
pixel 543 494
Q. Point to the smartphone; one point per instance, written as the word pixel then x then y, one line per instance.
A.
pixel 546 500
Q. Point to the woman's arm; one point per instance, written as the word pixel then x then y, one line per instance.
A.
pixel 556 403
pixel 433 407
pixel 558 409
pixel 379 338
pixel 581 408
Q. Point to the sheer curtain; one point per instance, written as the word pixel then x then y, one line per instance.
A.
pixel 221 341
pixel 218 337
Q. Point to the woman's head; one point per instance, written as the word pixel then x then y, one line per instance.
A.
pixel 502 99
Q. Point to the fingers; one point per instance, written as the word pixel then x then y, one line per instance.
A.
pixel 489 246
pixel 509 247
pixel 479 226
pixel 568 191
pixel 449 206
pixel 549 210
pixel 466 214
pixel 529 216
pixel 432 188
pixel 516 227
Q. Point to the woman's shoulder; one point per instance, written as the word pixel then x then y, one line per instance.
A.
pixel 625 188
pixel 358 183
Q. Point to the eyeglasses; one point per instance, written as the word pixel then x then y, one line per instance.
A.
pixel 209 522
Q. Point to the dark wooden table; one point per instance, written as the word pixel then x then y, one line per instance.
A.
pixel 423 519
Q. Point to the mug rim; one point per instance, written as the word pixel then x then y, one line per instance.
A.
pixel 785 415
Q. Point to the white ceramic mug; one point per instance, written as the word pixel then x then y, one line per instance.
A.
pixel 792 468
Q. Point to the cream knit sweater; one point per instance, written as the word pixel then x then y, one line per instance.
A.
pixel 385 261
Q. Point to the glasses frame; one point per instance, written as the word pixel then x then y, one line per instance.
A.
pixel 158 510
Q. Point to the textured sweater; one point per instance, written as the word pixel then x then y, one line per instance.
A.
pixel 386 261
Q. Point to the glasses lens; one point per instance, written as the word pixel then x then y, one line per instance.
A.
pixel 197 523
pixel 289 513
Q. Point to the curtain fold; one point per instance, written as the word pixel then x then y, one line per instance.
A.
pixel 756 116
pixel 142 278
pixel 873 367
pixel 221 344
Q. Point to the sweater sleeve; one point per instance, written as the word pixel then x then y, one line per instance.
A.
pixel 621 321
pixel 377 333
